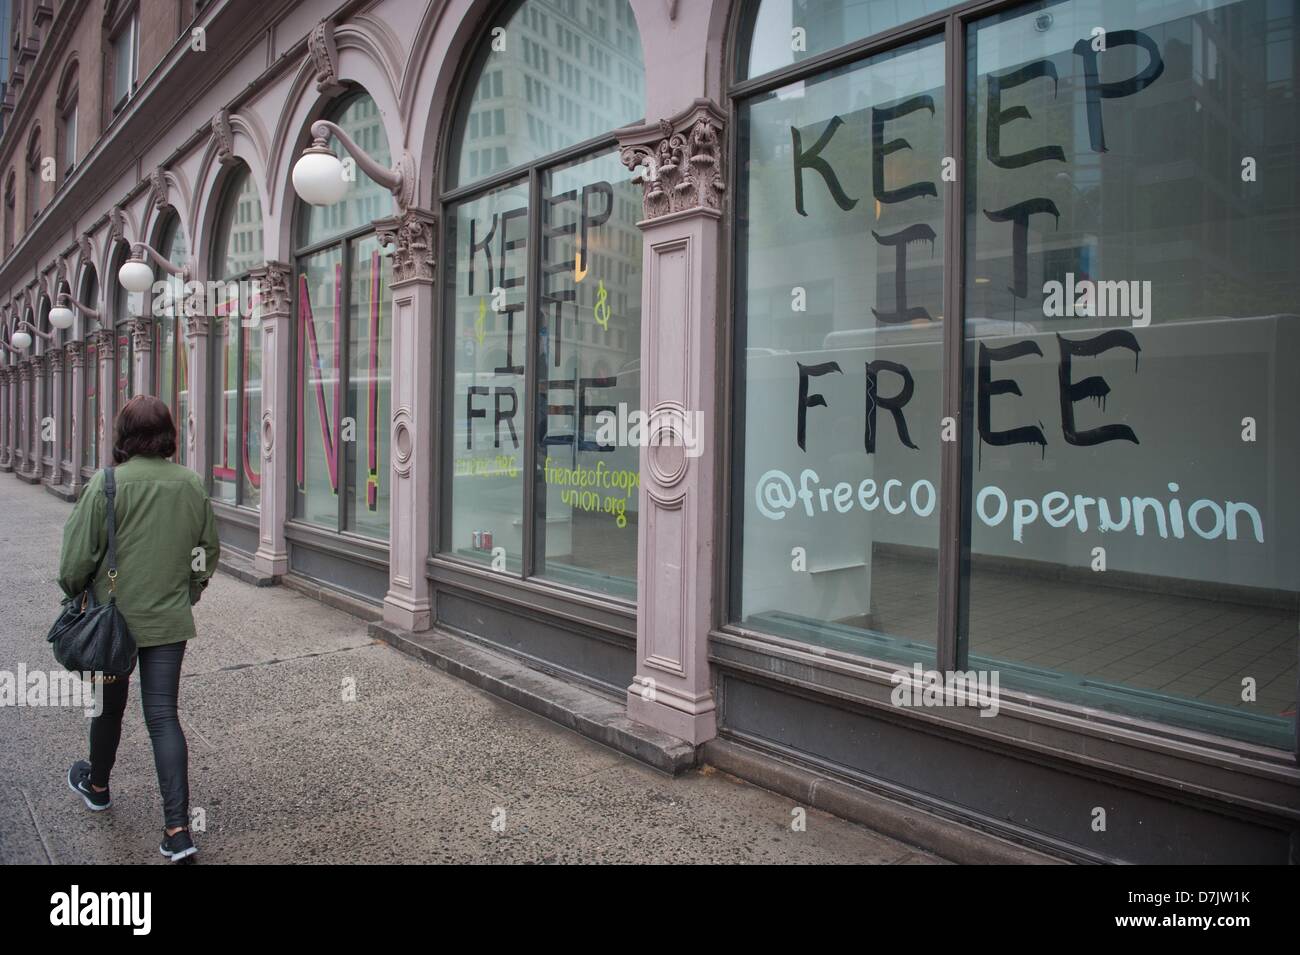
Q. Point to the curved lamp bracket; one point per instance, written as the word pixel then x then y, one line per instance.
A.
pixel 400 180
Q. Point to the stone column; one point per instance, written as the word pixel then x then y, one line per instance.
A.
pixel 58 413
pixel 141 330
pixel 274 314
pixel 24 442
pixel 6 406
pixel 40 372
pixel 195 427
pixel 105 343
pixel 77 368
pixel 407 604
pixel 679 165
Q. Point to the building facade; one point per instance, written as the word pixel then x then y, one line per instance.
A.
pixel 756 364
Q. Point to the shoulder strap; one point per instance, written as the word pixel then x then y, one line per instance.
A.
pixel 110 492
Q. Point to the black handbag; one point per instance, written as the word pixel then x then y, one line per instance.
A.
pixel 89 636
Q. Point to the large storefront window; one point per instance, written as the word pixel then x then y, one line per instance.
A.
pixel 545 306
pixel 839 314
pixel 171 374
pixel 343 337
pixel 237 347
pixel 1132 304
pixel 1123 536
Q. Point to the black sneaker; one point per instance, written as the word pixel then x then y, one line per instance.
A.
pixel 179 846
pixel 79 783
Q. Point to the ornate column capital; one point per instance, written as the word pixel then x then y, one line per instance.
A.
pixel 25 371
pixel 55 358
pixel 40 366
pixel 4 375
pixel 411 233
pixel 196 326
pixel 141 333
pixel 76 354
pixel 272 286
pixel 103 341
pixel 680 160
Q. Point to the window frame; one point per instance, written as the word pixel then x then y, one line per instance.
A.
pixel 529 174
pixel 345 242
pixel 126 20
pixel 1071 719
pixel 228 193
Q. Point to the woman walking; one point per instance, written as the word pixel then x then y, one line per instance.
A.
pixel 167 550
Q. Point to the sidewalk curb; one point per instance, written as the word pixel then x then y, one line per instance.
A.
pixel 572 707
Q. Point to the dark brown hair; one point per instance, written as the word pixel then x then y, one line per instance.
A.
pixel 144 426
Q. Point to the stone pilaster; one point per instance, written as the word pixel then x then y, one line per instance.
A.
pixel 407 603
pixel 40 372
pixel 194 427
pixel 23 443
pixel 274 314
pixel 679 165
pixel 141 330
pixel 6 431
pixel 76 352
pixel 105 343
pixel 59 413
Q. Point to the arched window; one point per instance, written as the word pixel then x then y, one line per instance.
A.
pixel 171 372
pixel 89 296
pixel 237 346
pixel 67 122
pixel 543 297
pixel 343 342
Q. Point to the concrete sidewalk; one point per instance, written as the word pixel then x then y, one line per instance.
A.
pixel 415 769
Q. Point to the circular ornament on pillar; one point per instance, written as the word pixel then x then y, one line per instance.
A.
pixel 268 434
pixel 666 437
pixel 402 442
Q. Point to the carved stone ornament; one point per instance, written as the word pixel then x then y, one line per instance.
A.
pixel 678 162
pixel 76 354
pixel 411 235
pixel 55 358
pixel 141 333
pixel 223 138
pixel 104 342
pixel 158 192
pixel 117 224
pixel 325 58
pixel 87 249
pixel 196 326
pixel 272 285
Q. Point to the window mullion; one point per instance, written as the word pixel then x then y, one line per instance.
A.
pixel 533 298
pixel 344 319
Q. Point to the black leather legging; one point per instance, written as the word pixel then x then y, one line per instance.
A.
pixel 160 678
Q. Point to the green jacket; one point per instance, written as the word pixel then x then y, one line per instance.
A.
pixel 167 547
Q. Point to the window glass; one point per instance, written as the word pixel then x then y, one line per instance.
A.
pixel 320 285
pixel 487 290
pixel 370 352
pixel 366 200
pixel 1133 226
pixel 785 32
pixel 124 52
pixel 226 407
pixel 237 338
pixel 839 356
pixel 547 77
pixel 590 331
